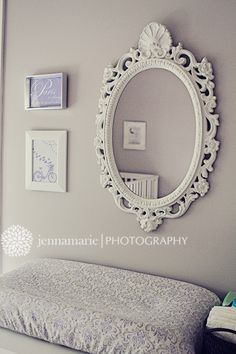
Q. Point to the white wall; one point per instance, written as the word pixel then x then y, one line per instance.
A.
pixel 81 38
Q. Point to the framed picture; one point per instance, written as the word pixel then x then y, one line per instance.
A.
pixel 46 91
pixel 134 135
pixel 46 159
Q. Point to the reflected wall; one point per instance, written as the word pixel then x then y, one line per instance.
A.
pixel 160 99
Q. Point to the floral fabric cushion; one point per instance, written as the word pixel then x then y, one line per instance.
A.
pixel 103 310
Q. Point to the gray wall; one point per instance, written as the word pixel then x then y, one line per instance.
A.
pixel 81 38
pixel 2 13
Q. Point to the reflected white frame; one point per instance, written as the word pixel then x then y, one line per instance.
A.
pixel 60 136
pixel 129 145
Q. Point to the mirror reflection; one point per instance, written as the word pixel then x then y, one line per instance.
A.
pixel 153 133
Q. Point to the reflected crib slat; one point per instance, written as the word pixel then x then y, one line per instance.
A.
pixel 144 185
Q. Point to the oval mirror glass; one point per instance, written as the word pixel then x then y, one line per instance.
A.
pixel 153 157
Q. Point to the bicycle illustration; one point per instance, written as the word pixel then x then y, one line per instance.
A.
pixel 50 176
pixel 46 172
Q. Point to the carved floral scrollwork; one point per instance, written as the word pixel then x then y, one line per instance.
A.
pixel 155 50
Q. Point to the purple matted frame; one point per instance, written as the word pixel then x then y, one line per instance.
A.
pixel 47 91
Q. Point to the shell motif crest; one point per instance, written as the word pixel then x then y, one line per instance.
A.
pixel 155 40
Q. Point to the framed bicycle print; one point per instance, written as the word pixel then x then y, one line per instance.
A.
pixel 46 159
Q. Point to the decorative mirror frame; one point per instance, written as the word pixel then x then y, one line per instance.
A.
pixel 155 50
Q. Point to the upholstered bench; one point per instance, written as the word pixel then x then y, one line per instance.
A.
pixel 99 309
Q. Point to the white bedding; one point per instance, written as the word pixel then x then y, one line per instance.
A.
pixel 104 310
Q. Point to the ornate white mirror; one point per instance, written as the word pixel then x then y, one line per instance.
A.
pixel 156 128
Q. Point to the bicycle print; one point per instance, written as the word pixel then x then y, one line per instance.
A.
pixel 44 161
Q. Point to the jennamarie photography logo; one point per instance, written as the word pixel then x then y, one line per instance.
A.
pixel 17 241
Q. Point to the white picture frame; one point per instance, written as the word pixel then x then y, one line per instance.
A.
pixel 46 91
pixel 134 135
pixel 46 160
